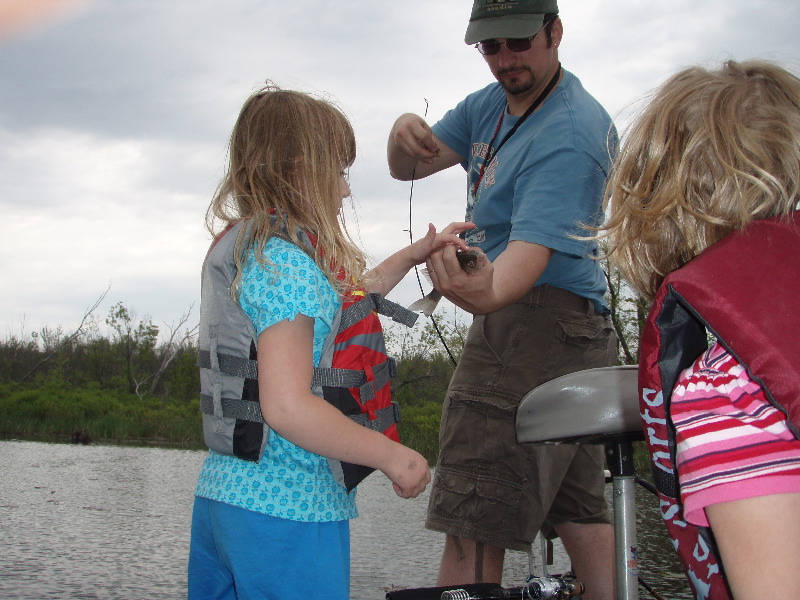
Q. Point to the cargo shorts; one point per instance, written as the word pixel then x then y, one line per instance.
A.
pixel 486 486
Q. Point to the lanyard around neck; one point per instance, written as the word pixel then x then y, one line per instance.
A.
pixel 491 153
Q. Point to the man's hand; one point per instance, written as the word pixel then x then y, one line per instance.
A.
pixel 494 285
pixel 412 136
pixel 414 152
pixel 470 291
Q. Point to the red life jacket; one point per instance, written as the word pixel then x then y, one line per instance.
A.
pixel 355 370
pixel 353 373
pixel 743 290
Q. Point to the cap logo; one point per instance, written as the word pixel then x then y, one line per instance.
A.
pixel 499 5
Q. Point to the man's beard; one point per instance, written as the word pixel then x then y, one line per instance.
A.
pixel 516 86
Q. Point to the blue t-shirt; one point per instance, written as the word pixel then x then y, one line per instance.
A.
pixel 288 482
pixel 544 183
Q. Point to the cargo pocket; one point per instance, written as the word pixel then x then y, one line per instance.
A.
pixel 472 504
pixel 478 436
pixel 585 344
pixel 492 346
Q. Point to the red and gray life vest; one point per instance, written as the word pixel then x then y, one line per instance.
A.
pixel 743 290
pixel 353 373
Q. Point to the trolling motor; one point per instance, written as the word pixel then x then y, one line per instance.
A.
pixel 537 588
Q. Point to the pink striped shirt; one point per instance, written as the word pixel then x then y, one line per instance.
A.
pixel 732 443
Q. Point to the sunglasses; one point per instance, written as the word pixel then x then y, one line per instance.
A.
pixel 492 47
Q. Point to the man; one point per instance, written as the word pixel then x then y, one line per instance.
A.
pixel 533 180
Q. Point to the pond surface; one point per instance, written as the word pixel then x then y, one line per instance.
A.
pixel 88 522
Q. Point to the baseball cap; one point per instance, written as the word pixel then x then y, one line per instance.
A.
pixel 493 19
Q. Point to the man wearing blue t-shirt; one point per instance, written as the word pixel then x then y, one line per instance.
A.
pixel 536 148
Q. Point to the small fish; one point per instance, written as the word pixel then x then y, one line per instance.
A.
pixel 469 261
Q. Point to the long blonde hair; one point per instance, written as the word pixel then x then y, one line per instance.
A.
pixel 286 156
pixel 713 151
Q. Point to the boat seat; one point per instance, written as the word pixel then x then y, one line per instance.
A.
pixel 594 406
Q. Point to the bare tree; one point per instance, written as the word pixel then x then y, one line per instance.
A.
pixel 628 313
pixel 173 345
pixel 86 320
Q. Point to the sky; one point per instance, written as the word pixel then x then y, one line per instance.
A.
pixel 115 116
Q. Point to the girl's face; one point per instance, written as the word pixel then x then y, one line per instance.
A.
pixel 344 187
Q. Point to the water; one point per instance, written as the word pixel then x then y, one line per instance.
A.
pixel 87 522
pixel 112 522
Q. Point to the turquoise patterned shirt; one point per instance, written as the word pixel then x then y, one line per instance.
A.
pixel 288 482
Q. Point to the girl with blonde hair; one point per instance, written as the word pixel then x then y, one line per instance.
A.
pixel 713 151
pixel 271 517
pixel 703 221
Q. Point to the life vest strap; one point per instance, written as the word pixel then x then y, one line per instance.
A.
pixel 374 301
pixel 351 378
pixel 386 418
pixel 235 366
pixel 250 411
pixel 242 367
pixel 233 408
pixel 666 483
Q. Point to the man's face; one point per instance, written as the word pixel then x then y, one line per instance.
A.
pixel 526 73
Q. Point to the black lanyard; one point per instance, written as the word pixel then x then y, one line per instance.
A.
pixel 493 152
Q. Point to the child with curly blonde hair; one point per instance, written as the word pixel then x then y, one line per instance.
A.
pixel 703 221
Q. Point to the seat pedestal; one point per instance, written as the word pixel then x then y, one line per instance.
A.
pixel 595 406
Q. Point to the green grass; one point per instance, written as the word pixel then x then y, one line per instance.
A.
pixel 54 411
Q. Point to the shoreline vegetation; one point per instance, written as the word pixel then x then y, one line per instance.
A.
pixel 75 416
pixel 88 415
pixel 139 384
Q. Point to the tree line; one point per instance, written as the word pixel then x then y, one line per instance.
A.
pixel 139 381
pixel 136 382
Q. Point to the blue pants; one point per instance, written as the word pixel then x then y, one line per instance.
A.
pixel 238 554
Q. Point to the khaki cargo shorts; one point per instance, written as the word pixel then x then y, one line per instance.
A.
pixel 486 486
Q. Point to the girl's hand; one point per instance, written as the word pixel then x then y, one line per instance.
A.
pixel 408 471
pixel 389 273
pixel 420 250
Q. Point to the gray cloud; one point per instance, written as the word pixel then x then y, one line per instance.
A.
pixel 113 120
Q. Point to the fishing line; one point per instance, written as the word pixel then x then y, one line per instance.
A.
pixel 416 267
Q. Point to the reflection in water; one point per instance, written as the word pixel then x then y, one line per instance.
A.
pixel 112 522
pixel 94 521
